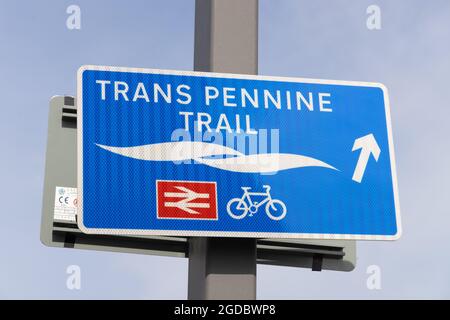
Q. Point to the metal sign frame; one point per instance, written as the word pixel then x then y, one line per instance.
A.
pixel 60 170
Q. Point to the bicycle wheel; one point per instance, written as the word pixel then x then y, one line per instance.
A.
pixel 276 209
pixel 237 209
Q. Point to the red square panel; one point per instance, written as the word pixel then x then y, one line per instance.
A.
pixel 186 200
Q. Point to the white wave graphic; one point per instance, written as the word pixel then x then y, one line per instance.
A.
pixel 173 151
pixel 264 163
pixel 200 151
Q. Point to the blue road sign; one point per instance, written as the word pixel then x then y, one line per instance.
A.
pixel 208 154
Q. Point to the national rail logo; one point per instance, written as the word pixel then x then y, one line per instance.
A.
pixel 195 200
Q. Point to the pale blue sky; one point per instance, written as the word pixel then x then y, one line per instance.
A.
pixel 325 39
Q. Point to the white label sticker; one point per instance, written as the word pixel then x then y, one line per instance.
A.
pixel 65 204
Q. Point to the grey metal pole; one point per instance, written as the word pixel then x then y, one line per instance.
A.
pixel 226 40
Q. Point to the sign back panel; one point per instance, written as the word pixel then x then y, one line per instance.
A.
pixel 207 154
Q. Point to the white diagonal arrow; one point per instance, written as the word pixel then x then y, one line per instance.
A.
pixel 368 146
pixel 185 203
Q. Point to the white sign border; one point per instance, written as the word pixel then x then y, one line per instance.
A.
pixel 202 233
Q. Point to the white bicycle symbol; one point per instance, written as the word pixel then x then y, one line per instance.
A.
pixel 238 208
